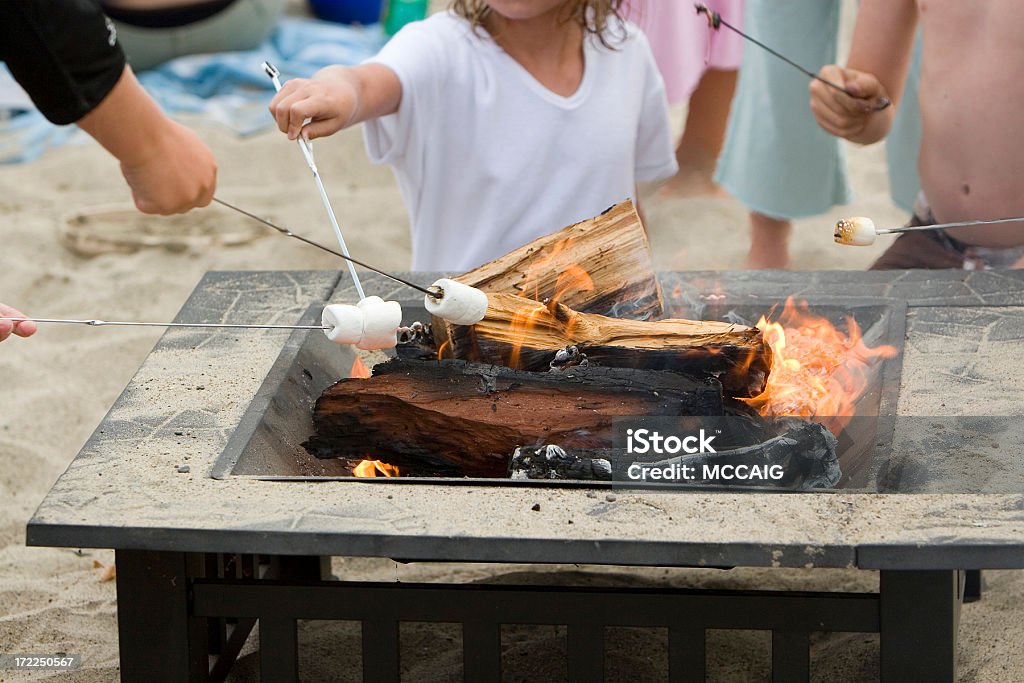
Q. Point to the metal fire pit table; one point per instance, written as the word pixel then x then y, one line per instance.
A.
pixel 201 559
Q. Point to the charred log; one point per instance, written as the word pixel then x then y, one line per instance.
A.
pixel 468 418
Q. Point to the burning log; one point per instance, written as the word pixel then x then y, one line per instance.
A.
pixel 454 417
pixel 601 265
pixel 525 335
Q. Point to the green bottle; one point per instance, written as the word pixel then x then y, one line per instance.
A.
pixel 401 12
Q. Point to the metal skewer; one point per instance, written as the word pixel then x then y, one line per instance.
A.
pixel 436 292
pixel 943 226
pixel 715 21
pixel 99 323
pixel 307 152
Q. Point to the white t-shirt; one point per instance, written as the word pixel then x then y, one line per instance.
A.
pixel 488 159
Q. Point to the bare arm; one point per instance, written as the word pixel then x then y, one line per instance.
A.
pixel 167 167
pixel 336 97
pixel 880 54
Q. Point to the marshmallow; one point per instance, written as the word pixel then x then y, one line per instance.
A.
pixel 460 304
pixel 345 321
pixel 381 320
pixel 857 231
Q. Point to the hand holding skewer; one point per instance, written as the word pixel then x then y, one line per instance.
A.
pixel 847 113
pixel 8 327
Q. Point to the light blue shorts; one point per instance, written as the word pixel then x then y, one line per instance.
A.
pixel 777 160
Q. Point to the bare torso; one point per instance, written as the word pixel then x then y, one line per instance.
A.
pixel 972 105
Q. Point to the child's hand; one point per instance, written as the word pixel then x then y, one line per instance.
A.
pixel 840 114
pixel 26 329
pixel 328 102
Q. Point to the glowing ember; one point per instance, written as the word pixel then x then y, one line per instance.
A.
pixel 817 370
pixel 359 369
pixel 370 468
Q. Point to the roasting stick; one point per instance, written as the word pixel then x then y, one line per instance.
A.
pixel 716 21
pixel 436 292
pixel 860 231
pixel 100 323
pixel 307 151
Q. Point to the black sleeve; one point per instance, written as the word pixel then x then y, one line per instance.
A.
pixel 64 53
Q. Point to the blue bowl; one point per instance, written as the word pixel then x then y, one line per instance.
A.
pixel 347 11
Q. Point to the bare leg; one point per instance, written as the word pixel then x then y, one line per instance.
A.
pixel 703 136
pixel 769 242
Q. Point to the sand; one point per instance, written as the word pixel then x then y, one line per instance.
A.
pixel 57 386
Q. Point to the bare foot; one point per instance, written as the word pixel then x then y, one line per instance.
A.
pixel 692 182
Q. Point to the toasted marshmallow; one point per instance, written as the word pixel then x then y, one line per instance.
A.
pixel 459 304
pixel 345 323
pixel 858 231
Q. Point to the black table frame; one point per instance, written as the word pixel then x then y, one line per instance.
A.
pixel 184 617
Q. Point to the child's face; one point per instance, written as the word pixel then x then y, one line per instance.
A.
pixel 524 9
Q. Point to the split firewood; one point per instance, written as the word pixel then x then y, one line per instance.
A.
pixel 526 335
pixel 458 418
pixel 601 265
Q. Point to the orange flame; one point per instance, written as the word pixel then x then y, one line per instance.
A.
pixel 572 278
pixel 520 323
pixel 532 276
pixel 370 468
pixel 817 370
pixel 359 369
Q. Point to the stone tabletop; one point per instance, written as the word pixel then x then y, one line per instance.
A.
pixel 129 487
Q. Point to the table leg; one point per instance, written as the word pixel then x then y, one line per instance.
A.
pixel 919 614
pixel 279 651
pixel 791 656
pixel 973 585
pixel 158 640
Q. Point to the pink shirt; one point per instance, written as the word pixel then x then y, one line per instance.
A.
pixel 684 46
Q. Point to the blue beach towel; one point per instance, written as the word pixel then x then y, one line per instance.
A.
pixel 229 88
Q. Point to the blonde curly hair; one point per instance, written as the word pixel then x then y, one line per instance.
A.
pixel 593 16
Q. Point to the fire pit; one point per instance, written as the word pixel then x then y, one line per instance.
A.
pixel 201 559
pixel 269 443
